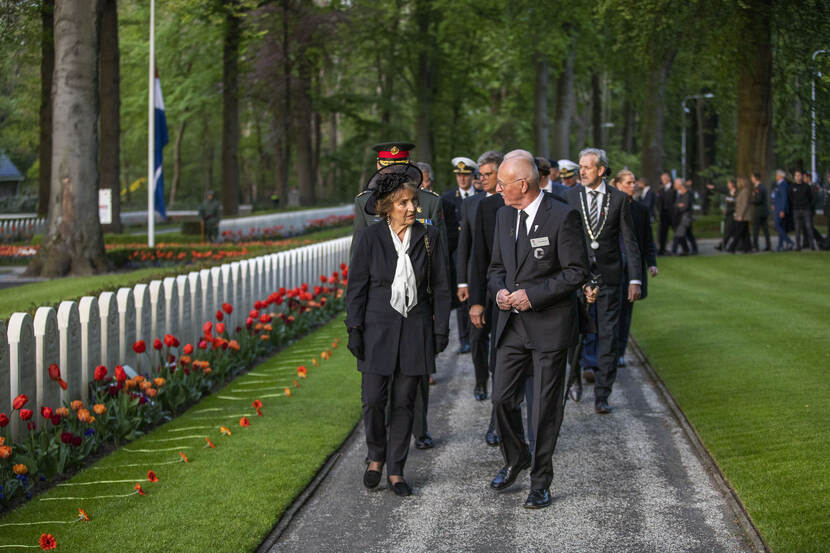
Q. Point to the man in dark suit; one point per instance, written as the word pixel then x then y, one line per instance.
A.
pixel 646 196
pixel 760 212
pixel 648 258
pixel 665 197
pixel 607 223
pixel 463 167
pixel 538 264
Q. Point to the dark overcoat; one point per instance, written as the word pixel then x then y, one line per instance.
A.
pixel 390 338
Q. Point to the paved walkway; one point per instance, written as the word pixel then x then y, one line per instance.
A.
pixel 628 481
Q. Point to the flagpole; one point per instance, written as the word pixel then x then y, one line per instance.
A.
pixel 151 166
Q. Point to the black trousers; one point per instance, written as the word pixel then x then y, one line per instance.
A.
pixel 375 391
pixel 480 349
pixel 804 229
pixel 420 427
pixel 516 355
pixel 665 225
pixel 759 224
pixel 624 326
pixel 740 237
pixel 608 319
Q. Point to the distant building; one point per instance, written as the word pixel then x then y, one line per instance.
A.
pixel 10 177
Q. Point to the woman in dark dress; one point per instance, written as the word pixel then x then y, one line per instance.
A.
pixel 397 314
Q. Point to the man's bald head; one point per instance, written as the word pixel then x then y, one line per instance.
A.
pixel 518 153
pixel 518 181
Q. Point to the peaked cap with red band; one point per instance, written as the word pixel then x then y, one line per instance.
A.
pixel 393 152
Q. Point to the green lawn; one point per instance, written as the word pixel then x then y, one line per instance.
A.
pixel 743 343
pixel 29 297
pixel 225 499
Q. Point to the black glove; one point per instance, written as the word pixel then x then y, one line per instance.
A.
pixel 441 342
pixel 356 342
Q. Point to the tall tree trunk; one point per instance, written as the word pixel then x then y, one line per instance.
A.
pixel 110 79
pixel 177 162
pixel 424 83
pixel 596 110
pixel 302 131
pixel 628 125
pixel 47 66
pixel 316 128
pixel 74 243
pixel 653 117
pixel 282 128
pixel 210 157
pixel 540 106
pixel 700 120
pixel 230 110
pixel 564 107
pixel 754 87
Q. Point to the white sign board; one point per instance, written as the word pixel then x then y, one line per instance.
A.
pixel 105 206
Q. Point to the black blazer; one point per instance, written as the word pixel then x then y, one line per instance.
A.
pixel 485 228
pixel 665 202
pixel 645 241
pixel 618 225
pixel 647 200
pixel 550 273
pixel 389 338
pixel 464 255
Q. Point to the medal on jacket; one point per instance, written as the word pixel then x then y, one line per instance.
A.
pixel 603 214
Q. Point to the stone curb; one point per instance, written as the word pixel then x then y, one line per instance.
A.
pixel 733 500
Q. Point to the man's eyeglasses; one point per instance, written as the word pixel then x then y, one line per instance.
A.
pixel 504 184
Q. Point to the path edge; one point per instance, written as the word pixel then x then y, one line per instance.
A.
pixel 732 498
pixel 296 506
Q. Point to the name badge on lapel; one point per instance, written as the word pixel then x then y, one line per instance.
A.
pixel 536 242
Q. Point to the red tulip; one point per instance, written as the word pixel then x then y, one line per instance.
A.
pixel 249 321
pixel 188 349
pixel 66 437
pixel 220 328
pixel 100 372
pixel 157 344
pixel 220 315
pixel 203 344
pixel 56 420
pixel 25 414
pixel 4 419
pixel 46 412
pixel 324 279
pixel 120 374
pixel 278 300
pixel 19 401
pixel 207 328
pixel 253 313
pixel 139 347
pixel 54 372
pixel 304 287
pixel 227 308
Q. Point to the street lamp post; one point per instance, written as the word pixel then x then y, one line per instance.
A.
pixel 813 113
pixel 708 95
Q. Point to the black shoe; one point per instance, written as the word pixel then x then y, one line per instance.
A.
pixel 601 407
pixel 480 393
pixel 424 442
pixel 507 475
pixel 588 375
pixel 575 391
pixel 465 348
pixel 371 478
pixel 621 361
pixel 538 498
pixel 400 488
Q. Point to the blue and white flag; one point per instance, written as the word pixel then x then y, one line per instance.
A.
pixel 160 142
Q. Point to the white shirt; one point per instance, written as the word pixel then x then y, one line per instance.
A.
pixel 602 191
pixel 548 186
pixel 466 193
pixel 645 191
pixel 531 214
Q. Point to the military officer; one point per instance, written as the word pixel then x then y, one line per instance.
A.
pixel 210 212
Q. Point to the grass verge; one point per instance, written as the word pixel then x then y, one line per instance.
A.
pixel 29 297
pixel 742 343
pixel 223 499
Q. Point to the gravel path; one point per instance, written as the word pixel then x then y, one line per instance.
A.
pixel 628 481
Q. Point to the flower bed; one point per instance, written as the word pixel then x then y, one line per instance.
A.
pixel 169 378
pixel 279 231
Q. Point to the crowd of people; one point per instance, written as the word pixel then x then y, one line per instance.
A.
pixel 542 261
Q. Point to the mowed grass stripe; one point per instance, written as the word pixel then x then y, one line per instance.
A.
pixel 743 343
pixel 225 499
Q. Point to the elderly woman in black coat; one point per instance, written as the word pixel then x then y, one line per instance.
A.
pixel 397 314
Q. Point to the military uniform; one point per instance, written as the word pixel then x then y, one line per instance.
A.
pixel 210 212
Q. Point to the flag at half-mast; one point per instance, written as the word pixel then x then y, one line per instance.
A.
pixel 160 141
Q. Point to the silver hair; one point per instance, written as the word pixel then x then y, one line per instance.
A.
pixel 599 155
pixel 780 173
pixel 425 168
pixel 492 156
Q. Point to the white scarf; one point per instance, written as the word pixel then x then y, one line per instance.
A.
pixel 404 290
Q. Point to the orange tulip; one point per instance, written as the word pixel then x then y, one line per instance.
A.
pixel 137 487
pixel 77 404
pixel 151 392
pixel 151 476
pixel 5 451
pixel 224 430
pixel 62 411
pixel 287 392
pixel 99 408
pixel 20 469
pixel 83 415
pixel 82 515
pixel 257 404
pixel 314 361
pixel 209 443
pixel 184 457
pixel 159 382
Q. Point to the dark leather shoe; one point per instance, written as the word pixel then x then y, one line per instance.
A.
pixel 480 393
pixel 371 478
pixel 538 498
pixel 465 348
pixel 588 374
pixel 507 475
pixel 424 442
pixel 575 391
pixel 601 407
pixel 400 488
pixel 491 438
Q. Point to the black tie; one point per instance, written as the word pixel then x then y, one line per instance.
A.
pixel 522 243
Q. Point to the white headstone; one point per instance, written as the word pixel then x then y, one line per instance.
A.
pixel 207 295
pixel 126 326
pixel 90 342
pixel 5 375
pixel 156 310
pixel 218 298
pixel 171 307
pixel 235 292
pixel 21 365
pixel 244 287
pixel 46 352
pixel 108 310
pixel 143 314
pixel 69 331
pixel 259 273
pixel 227 296
pixel 195 283
pixel 186 331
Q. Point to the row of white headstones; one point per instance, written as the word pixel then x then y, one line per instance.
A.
pixel 101 330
